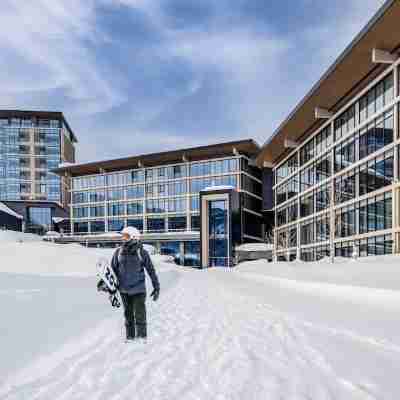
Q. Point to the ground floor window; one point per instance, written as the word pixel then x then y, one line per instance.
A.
pixel 195 221
pixel 39 218
pixel 192 253
pixel 97 226
pixel 81 227
pixel 375 245
pixel 171 248
pixel 115 225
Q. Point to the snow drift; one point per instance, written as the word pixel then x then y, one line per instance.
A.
pixel 260 331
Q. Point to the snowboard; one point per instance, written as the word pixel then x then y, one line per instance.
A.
pixel 108 281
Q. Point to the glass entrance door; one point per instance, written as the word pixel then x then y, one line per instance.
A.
pixel 218 233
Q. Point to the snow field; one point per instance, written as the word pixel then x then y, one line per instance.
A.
pixel 260 331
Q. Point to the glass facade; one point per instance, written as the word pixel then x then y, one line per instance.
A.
pixel 159 199
pixel 339 184
pixel 39 219
pixel 29 148
pixel 218 233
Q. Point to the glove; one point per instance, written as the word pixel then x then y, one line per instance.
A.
pixel 102 287
pixel 154 294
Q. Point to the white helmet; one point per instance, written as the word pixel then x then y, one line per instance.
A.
pixel 132 232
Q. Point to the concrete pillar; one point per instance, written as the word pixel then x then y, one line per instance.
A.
pixel 182 252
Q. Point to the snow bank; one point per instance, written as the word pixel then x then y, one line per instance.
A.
pixel 259 331
pixel 8 210
pixel 374 272
pixel 255 247
pixel 218 187
pixel 13 236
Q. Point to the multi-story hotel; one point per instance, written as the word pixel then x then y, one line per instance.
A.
pixel 335 159
pixel 32 143
pixel 171 197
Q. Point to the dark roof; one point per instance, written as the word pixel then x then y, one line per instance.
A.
pixel 247 147
pixel 38 114
pixel 350 73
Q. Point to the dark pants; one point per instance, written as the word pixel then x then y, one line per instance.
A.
pixel 135 315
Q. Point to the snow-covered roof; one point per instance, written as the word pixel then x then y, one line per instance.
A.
pixel 255 247
pixel 8 210
pixel 65 164
pixel 220 187
pixel 57 220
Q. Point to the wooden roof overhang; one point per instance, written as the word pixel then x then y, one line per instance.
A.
pixel 349 74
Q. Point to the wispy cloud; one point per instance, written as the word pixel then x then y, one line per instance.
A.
pixel 44 49
pixel 153 75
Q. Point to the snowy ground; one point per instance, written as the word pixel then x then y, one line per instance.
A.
pixel 261 331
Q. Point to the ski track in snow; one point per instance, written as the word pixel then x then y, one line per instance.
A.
pixel 206 341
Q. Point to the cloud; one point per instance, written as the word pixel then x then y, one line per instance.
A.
pixel 147 75
pixel 45 49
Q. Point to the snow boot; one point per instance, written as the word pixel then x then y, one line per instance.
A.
pixel 130 332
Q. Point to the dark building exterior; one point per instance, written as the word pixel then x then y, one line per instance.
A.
pixel 32 144
pixel 159 194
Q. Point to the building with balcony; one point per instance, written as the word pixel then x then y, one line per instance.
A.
pixel 335 159
pixel 32 143
pixel 159 194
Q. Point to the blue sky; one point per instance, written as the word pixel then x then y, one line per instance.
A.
pixel 136 76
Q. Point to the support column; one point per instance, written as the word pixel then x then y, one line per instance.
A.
pixel 182 252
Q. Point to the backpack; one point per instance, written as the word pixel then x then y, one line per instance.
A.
pixel 139 254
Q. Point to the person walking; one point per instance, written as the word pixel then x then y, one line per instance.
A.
pixel 129 263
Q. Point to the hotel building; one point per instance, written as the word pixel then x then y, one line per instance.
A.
pixel 171 197
pixel 335 159
pixel 32 143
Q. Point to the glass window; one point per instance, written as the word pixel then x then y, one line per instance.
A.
pixel 322 198
pixel 116 209
pixel 323 168
pixel 97 211
pixel 195 222
pixel 292 212
pixel 345 187
pixel 363 217
pixel 156 206
pixel 136 223
pixel 135 192
pixel 134 208
pixel 155 224
pixel 115 225
pixel 194 203
pixel 96 196
pixel 307 232
pixel 79 197
pixel 80 212
pixel 97 226
pixel 307 178
pixel 39 217
pixel 115 194
pixel 192 253
pixel 171 249
pixel 306 205
pixel 177 223
pixel 307 152
pixel 81 227
pixel 344 123
pixel 281 216
pixel 137 176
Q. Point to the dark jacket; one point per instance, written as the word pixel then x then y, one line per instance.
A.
pixel 129 262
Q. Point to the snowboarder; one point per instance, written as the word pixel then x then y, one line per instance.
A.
pixel 129 262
